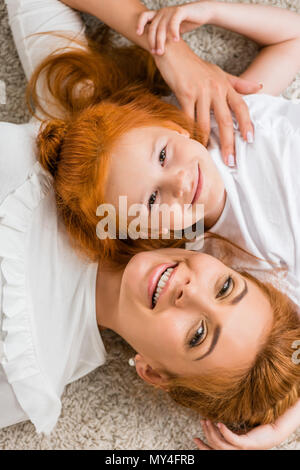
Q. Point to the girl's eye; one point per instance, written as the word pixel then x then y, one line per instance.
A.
pixel 226 286
pixel 152 199
pixel 198 337
pixel 162 156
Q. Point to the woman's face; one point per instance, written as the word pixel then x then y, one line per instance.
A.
pixel 205 316
pixel 158 165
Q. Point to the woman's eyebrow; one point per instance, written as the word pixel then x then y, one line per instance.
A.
pixel 217 331
pixel 212 344
pixel 242 294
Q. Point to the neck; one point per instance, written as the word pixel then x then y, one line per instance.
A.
pixel 108 284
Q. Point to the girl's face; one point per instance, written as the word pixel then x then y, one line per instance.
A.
pixel 188 313
pixel 158 165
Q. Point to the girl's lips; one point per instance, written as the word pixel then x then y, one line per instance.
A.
pixel 198 186
pixel 154 278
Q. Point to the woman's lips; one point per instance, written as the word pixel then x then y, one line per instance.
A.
pixel 198 186
pixel 154 278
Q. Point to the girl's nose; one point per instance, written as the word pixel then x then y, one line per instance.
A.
pixel 180 184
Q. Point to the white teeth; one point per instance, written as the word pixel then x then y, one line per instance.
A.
pixel 161 283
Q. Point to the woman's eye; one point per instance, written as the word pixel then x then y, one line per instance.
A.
pixel 226 286
pixel 162 156
pixel 198 337
pixel 152 199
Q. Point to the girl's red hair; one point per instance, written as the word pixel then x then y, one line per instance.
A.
pixel 104 94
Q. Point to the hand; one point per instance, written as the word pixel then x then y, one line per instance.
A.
pixel 200 86
pixel 221 438
pixel 172 21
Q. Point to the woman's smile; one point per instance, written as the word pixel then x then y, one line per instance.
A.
pixel 159 282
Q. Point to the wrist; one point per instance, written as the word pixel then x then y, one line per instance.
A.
pixel 173 50
pixel 210 8
pixel 215 12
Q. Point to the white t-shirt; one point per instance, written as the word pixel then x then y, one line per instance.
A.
pixel 47 293
pixel 48 323
pixel 262 209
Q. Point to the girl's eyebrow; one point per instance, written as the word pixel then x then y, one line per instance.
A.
pixel 151 157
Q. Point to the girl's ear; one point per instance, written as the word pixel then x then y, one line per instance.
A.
pixel 148 374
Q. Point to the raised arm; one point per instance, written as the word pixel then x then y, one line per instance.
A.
pixel 196 83
pixel 276 29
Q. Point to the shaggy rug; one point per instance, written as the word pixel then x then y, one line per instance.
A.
pixel 111 408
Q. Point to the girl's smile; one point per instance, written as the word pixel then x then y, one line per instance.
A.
pixel 198 186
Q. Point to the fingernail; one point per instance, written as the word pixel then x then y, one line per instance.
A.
pixel 230 160
pixel 152 51
pixel 219 425
pixel 159 51
pixel 250 137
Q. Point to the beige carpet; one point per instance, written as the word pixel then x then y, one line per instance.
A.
pixel 111 408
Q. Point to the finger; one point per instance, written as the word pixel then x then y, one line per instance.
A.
pixel 200 444
pixel 244 86
pixel 174 25
pixel 144 18
pixel 229 436
pixel 203 115
pixel 215 438
pixel 152 33
pixel 188 107
pixel 161 35
pixel 224 121
pixel 241 111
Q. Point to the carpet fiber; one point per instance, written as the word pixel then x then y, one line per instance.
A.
pixel 111 408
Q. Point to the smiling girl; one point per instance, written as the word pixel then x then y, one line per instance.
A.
pixel 120 140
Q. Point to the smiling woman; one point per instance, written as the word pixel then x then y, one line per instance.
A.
pixel 217 340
